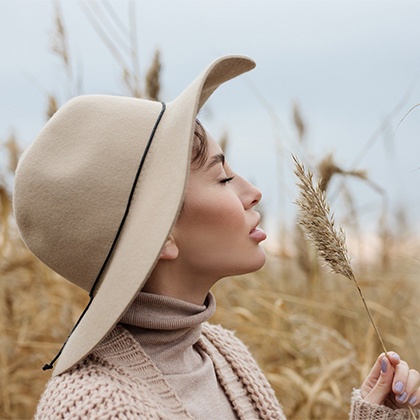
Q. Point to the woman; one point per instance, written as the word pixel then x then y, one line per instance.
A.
pixel 133 201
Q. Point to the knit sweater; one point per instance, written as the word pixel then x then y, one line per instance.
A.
pixel 119 381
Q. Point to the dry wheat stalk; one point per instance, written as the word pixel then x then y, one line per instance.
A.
pixel 317 223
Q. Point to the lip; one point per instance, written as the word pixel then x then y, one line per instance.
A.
pixel 255 226
pixel 257 234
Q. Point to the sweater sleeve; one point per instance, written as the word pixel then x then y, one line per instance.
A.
pixel 362 410
pixel 91 392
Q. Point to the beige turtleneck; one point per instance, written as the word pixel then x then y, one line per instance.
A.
pixel 168 330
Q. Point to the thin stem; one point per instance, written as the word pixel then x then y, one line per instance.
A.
pixel 413 416
pixel 370 317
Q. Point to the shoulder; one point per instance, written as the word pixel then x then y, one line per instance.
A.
pixel 95 389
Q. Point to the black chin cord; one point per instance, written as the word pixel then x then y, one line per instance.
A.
pixel 50 365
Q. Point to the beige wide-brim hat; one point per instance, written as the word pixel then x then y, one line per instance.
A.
pixel 99 190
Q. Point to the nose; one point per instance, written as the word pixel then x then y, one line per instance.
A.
pixel 250 195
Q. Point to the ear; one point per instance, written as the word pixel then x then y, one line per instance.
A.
pixel 169 251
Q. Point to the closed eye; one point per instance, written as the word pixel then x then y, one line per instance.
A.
pixel 227 180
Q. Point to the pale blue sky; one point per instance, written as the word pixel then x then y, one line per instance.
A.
pixel 347 63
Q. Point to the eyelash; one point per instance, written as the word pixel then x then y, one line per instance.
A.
pixel 226 180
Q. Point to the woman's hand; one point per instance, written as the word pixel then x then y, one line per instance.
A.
pixel 392 383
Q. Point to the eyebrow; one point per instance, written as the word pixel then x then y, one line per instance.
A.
pixel 219 158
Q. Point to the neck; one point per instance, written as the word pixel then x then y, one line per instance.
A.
pixel 168 279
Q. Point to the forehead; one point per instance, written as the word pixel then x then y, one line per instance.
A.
pixel 214 148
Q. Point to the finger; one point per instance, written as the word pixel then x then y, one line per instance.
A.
pixel 400 379
pixel 375 373
pixel 414 398
pixel 394 358
pixel 410 392
pixel 373 376
pixel 383 385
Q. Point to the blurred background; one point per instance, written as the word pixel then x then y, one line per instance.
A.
pixel 337 83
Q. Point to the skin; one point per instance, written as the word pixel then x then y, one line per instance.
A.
pixel 215 237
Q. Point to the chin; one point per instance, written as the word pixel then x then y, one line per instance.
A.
pixel 255 263
pixel 260 264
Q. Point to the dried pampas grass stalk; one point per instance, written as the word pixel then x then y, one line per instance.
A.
pixel 317 223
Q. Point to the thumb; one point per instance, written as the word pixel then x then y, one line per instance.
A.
pixel 383 385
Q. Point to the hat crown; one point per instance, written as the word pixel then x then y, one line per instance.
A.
pixel 73 183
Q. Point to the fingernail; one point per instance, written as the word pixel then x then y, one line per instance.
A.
pixel 399 386
pixel 412 400
pixel 396 356
pixel 383 365
pixel 402 397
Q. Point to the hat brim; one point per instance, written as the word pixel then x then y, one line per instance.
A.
pixel 139 244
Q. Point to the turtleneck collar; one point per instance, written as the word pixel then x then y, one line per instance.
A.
pixel 157 312
pixel 168 329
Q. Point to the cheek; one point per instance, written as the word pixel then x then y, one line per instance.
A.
pixel 223 214
pixel 206 222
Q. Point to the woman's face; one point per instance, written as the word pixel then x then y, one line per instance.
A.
pixel 216 232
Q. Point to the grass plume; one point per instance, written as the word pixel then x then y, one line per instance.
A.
pixel 317 223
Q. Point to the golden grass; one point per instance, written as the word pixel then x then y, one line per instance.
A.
pixel 36 311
